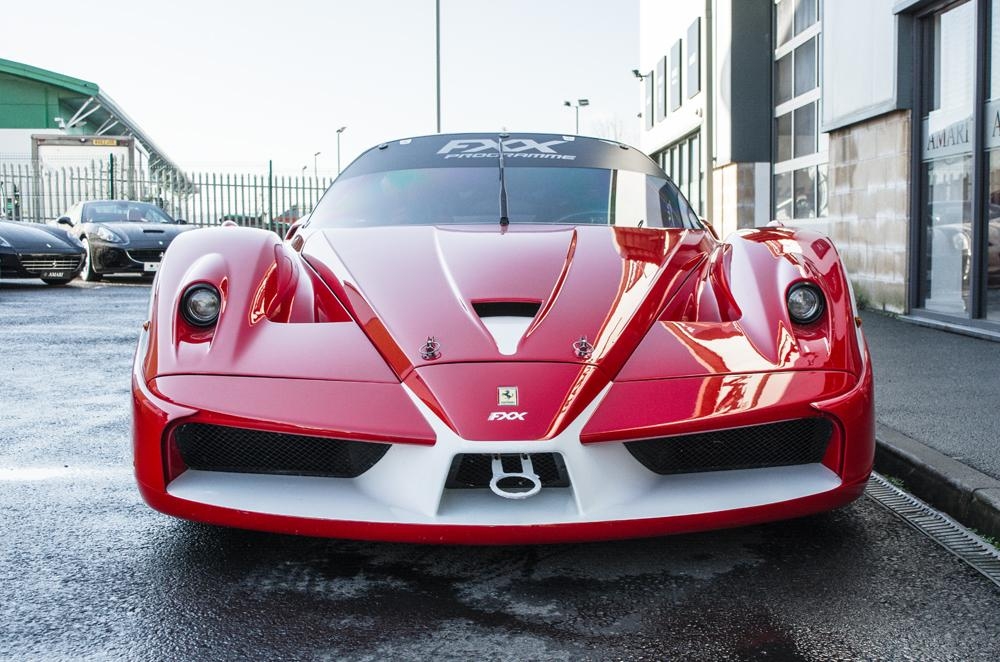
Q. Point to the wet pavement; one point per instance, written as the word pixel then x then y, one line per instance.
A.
pixel 88 571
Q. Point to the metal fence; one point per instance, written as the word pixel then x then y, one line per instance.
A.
pixel 40 193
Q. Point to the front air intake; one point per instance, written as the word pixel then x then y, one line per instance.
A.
pixel 474 470
pixel 220 448
pixel 799 441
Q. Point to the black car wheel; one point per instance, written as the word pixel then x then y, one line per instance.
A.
pixel 56 281
pixel 88 273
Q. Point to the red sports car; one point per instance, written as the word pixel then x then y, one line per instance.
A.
pixel 501 339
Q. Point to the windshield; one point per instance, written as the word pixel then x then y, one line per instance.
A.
pixel 122 211
pixel 463 195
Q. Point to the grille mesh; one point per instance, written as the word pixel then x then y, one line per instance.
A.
pixel 800 441
pixel 38 263
pixel 220 448
pixel 147 255
pixel 476 469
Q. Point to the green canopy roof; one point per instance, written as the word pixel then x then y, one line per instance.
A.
pixel 88 102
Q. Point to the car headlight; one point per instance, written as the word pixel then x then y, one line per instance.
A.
pixel 960 242
pixel 805 303
pixel 4 243
pixel 200 305
pixel 108 235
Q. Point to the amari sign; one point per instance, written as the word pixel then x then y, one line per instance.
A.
pixel 956 138
pixel 949 140
pixel 992 135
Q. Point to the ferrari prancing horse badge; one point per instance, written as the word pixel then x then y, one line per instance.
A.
pixel 507 396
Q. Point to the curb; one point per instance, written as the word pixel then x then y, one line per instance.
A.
pixel 968 495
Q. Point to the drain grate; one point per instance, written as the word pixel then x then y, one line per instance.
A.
pixel 938 527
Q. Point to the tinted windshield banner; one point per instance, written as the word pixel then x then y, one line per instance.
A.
pixel 489 148
pixel 481 150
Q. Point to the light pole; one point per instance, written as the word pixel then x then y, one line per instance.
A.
pixel 339 131
pixel 579 103
pixel 315 169
pixel 437 57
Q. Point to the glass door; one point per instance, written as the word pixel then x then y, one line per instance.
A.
pixel 947 158
pixel 991 141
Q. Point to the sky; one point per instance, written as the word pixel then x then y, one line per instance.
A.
pixel 230 85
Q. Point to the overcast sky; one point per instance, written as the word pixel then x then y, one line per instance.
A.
pixel 231 85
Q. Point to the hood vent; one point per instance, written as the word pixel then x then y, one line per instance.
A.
pixel 507 308
pixel 507 321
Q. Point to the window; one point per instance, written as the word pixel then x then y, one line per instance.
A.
pixel 682 162
pixel 805 15
pixel 800 150
pixel 805 130
pixel 804 181
pixel 783 196
pixel 784 133
pixel 785 11
pixel 783 80
pixel 805 67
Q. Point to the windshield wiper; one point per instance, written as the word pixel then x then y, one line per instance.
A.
pixel 504 221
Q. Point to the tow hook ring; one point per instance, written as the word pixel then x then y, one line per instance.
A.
pixel 527 473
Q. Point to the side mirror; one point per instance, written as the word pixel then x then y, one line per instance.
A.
pixel 711 228
pixel 293 229
pixel 64 220
pixel 181 221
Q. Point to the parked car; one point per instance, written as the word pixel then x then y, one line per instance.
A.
pixel 517 339
pixel 281 222
pixel 120 236
pixel 285 219
pixel 248 220
pixel 950 231
pixel 32 250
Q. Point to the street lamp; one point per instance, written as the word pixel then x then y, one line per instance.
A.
pixel 339 131
pixel 315 169
pixel 579 103
pixel 437 58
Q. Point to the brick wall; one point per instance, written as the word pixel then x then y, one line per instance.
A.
pixel 869 189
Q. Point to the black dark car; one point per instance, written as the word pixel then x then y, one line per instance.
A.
pixel 31 250
pixel 120 236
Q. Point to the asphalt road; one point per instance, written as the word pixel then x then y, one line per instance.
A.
pixel 87 571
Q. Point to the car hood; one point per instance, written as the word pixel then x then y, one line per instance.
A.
pixel 142 233
pixel 25 237
pixel 655 320
pixel 579 295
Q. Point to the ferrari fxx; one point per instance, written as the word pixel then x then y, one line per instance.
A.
pixel 487 339
pixel 32 250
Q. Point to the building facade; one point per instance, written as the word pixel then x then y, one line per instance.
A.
pixel 876 122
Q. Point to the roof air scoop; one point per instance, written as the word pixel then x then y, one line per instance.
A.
pixel 507 321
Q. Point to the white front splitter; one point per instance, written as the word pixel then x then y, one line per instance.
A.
pixel 407 486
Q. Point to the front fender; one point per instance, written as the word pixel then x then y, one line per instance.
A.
pixel 277 319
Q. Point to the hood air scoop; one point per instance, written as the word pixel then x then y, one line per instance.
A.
pixel 507 321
